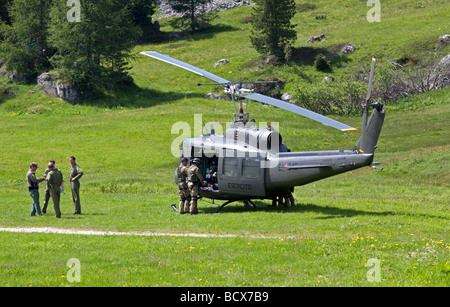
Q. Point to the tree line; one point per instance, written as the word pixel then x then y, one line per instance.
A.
pixel 37 36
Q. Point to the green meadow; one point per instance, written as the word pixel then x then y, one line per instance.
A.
pixel 122 140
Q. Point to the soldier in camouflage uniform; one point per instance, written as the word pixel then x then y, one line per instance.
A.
pixel 183 190
pixel 47 191
pixel 74 175
pixel 195 180
pixel 54 181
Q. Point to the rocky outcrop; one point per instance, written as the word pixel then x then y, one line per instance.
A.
pixel 58 89
pixel 165 10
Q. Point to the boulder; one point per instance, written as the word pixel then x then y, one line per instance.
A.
pixel 445 39
pixel 58 89
pixel 348 48
pixel 286 97
pixel 221 62
pixel 316 38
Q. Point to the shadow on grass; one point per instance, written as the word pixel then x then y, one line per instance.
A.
pixel 329 212
pixel 206 33
pixel 133 96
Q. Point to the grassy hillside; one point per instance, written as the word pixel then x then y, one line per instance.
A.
pixel 122 141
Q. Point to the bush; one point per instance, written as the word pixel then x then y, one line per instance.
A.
pixel 331 98
pixel 321 63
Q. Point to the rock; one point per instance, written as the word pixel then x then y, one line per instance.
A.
pixel 317 38
pixel 327 79
pixel 165 10
pixel 445 39
pixel 286 97
pixel 64 91
pixel 221 62
pixel 45 83
pixel 213 96
pixel 348 48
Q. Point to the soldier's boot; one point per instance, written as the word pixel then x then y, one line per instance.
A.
pixel 291 198
pixel 181 206
pixel 193 209
pixel 186 205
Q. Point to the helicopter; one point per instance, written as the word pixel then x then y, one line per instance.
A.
pixel 248 163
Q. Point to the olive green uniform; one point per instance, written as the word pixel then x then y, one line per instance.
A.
pixel 183 190
pixel 54 181
pixel 47 190
pixel 75 173
pixel 195 179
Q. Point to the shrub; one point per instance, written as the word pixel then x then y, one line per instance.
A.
pixel 321 63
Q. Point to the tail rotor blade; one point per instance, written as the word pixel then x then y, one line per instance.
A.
pixel 369 92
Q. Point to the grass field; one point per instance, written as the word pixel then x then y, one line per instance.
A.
pixel 122 141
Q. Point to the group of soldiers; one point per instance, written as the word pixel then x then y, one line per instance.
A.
pixel 189 181
pixel 55 186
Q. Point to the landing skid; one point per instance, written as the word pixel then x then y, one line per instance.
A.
pixel 247 203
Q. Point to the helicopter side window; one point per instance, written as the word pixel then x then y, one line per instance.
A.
pixel 250 168
pixel 230 167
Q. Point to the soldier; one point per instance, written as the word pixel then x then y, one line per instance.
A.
pixel 47 191
pixel 54 181
pixel 183 190
pixel 33 189
pixel 74 175
pixel 195 179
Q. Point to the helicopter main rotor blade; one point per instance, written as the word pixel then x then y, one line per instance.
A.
pixel 253 96
pixel 300 111
pixel 198 71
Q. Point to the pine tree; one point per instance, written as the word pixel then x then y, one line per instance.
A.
pixel 96 50
pixel 25 45
pixel 273 34
pixel 194 15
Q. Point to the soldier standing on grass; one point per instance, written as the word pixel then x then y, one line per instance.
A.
pixel 195 180
pixel 74 176
pixel 54 181
pixel 183 190
pixel 47 191
pixel 33 188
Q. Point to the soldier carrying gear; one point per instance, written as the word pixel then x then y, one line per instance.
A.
pixel 54 181
pixel 195 179
pixel 183 191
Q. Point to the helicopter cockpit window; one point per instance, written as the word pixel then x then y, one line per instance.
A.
pixel 250 168
pixel 230 167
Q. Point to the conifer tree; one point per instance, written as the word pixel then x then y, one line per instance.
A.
pixel 25 41
pixel 95 50
pixel 194 15
pixel 273 34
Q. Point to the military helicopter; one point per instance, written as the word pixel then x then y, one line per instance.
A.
pixel 248 163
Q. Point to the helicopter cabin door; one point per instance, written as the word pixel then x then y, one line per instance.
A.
pixel 241 177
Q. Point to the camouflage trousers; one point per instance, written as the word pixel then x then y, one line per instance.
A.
pixel 185 197
pixel 193 188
